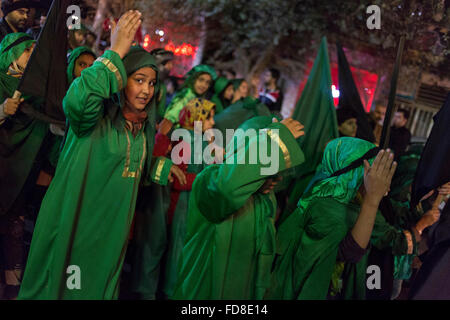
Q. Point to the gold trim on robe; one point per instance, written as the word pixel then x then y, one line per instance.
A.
pixel 276 138
pixel 113 69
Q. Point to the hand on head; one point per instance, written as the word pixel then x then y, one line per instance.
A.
pixel 123 32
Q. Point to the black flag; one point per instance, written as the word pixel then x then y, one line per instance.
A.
pixel 45 75
pixel 434 166
pixel 349 97
pixel 385 133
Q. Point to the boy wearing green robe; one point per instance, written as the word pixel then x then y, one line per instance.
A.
pixel 81 234
pixel 230 238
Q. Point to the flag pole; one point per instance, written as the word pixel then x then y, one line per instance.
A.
pixel 385 134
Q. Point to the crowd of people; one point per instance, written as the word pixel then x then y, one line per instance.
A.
pixel 95 207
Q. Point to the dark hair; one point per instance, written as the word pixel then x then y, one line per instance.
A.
pixel 405 113
pixel 343 114
pixel 275 73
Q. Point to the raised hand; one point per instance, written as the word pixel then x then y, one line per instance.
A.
pixel 122 33
pixel 295 127
pixel 377 178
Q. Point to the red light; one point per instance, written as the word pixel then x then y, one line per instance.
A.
pixel 184 50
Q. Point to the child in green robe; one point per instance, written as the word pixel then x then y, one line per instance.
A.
pixel 81 234
pixel 21 138
pixel 230 238
pixel 223 94
pixel 200 111
pixel 322 246
pixel 198 81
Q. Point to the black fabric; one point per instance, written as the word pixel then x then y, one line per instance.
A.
pixel 355 164
pixel 433 278
pixel 4 29
pixel 434 170
pixel 385 260
pixel 349 97
pixel 45 75
pixel 399 140
pixel 349 250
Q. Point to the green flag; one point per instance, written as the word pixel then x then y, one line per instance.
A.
pixel 315 110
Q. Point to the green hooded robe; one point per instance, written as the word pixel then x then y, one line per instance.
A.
pixel 239 112
pixel 81 234
pixel 21 136
pixel 230 239
pixel 308 240
pixel 187 92
pixel 219 87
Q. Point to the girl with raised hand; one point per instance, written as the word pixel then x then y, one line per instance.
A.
pixel 81 234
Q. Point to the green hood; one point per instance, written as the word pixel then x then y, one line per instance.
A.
pixel 338 154
pixel 220 85
pixel 137 58
pixel 12 47
pixel 236 83
pixel 195 72
pixel 73 57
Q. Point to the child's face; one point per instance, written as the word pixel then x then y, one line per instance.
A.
pixel 209 123
pixel 229 92
pixel 202 84
pixel 243 88
pixel 25 56
pixel 349 127
pixel 84 61
pixel 140 87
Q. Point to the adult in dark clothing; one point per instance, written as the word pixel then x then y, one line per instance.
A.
pixel 15 15
pixel 433 280
pixel 271 95
pixel 400 136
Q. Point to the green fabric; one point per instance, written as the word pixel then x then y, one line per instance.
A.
pixel 308 240
pixel 178 227
pixel 6 58
pixel 230 237
pixel 73 57
pixel 21 137
pixel 160 170
pixel 219 86
pixel 187 92
pixel 239 112
pixel 315 110
pixel 87 222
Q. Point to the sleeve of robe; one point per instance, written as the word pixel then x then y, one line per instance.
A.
pixel 83 103
pixel 221 190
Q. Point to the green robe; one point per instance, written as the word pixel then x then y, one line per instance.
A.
pixel 187 93
pixel 219 87
pixel 230 239
pixel 21 136
pixel 178 227
pixel 239 112
pixel 309 238
pixel 306 262
pixel 87 212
